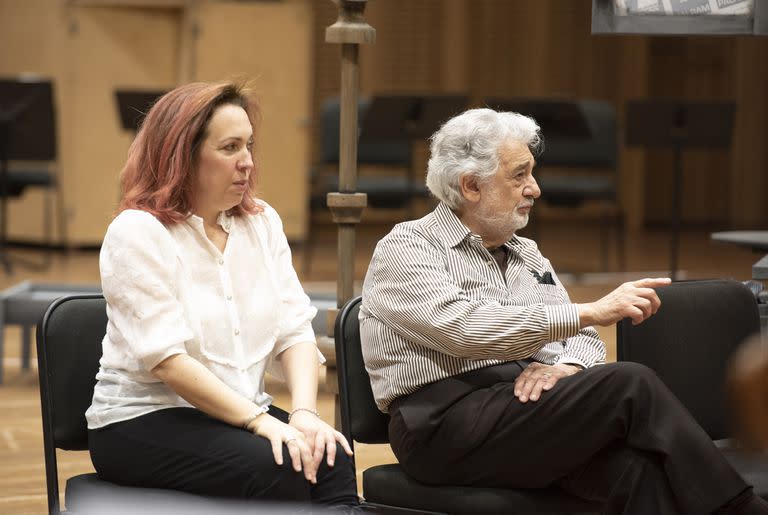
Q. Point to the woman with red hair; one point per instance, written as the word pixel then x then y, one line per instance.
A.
pixel 202 300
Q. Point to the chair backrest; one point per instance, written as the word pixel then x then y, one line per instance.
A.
pixel 577 133
pixel 361 420
pixel 69 340
pixel 27 105
pixel 386 152
pixel 689 342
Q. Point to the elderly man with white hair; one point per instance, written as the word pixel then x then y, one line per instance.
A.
pixel 493 377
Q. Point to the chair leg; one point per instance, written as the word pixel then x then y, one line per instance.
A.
pixel 2 337
pixel 26 346
pixel 621 242
pixel 61 214
pixel 306 257
pixel 48 227
pixel 604 244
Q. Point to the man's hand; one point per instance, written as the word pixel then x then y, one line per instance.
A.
pixel 636 300
pixel 538 377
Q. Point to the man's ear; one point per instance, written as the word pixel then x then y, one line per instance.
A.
pixel 470 188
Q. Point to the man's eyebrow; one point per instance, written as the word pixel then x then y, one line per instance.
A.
pixel 524 166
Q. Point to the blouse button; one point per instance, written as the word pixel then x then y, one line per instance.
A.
pixel 237 332
pixel 221 261
pixel 229 297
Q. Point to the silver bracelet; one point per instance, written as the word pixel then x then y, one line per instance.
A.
pixel 251 419
pixel 314 412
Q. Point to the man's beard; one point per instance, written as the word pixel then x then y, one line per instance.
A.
pixel 506 224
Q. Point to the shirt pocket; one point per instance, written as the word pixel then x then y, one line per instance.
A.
pixel 548 294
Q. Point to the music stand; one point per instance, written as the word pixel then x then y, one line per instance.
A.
pixel 679 124
pixel 133 105
pixel 407 118
pixel 27 132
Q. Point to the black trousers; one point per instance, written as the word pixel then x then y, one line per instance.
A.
pixel 612 433
pixel 185 449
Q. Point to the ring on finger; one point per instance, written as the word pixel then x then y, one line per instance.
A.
pixel 546 375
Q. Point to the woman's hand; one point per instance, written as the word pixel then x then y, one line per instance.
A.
pixel 278 434
pixel 320 436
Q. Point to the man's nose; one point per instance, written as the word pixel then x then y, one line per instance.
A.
pixel 532 189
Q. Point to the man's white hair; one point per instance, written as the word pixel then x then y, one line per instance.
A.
pixel 470 143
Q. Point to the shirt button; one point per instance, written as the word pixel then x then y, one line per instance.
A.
pixel 237 332
pixel 229 297
pixel 221 261
pixel 490 263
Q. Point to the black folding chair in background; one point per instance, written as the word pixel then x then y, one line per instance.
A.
pixel 28 154
pixel 388 486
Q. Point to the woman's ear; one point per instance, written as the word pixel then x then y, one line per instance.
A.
pixel 470 188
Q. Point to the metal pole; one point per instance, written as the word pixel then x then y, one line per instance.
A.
pixel 346 205
pixel 674 251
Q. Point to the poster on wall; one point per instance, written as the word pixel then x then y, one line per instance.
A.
pixel 683 7
pixel 680 17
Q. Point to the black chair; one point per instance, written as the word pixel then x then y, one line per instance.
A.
pixel 689 343
pixel 28 155
pixel 384 191
pixel 578 169
pixel 388 485
pixel 69 348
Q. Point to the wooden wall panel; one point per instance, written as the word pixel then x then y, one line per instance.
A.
pixel 111 48
pixel 409 60
pixel 327 65
pixel 88 52
pixel 484 47
pixel 272 45
pixel 748 171
pixel 23 51
pixel 544 48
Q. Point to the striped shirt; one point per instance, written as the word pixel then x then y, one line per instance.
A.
pixel 435 305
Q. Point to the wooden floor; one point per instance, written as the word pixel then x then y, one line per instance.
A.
pixel 574 250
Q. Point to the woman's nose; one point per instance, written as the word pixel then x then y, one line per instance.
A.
pixel 246 161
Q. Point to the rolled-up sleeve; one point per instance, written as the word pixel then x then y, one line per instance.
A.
pixel 138 263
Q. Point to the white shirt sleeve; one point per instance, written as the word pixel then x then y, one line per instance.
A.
pixel 138 262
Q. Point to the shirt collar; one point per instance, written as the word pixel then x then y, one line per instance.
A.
pixel 224 220
pixel 453 232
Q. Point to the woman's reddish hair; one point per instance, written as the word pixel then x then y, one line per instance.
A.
pixel 161 164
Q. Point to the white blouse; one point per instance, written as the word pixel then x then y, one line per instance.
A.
pixel 169 291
